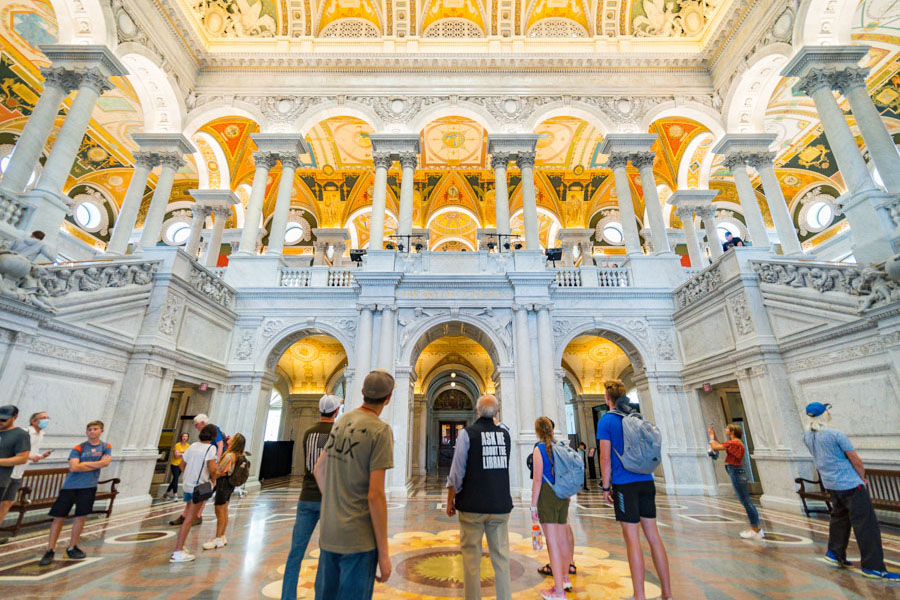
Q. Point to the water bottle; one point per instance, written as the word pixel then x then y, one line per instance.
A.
pixel 537 540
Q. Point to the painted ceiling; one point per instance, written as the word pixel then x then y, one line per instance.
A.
pixel 230 20
pixel 451 352
pixel 310 363
pixel 593 361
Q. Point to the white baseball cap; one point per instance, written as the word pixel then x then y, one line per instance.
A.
pixel 329 403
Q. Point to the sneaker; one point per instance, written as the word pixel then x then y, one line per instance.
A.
pixel 75 553
pixel 553 594
pixel 883 575
pixel 47 558
pixel 214 543
pixel 831 559
pixel 567 585
pixel 196 521
pixel 177 521
pixel 181 556
pixel 749 534
pixel 3 541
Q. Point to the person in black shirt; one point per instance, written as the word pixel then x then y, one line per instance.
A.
pixel 731 241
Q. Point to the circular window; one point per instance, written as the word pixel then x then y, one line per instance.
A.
pixel 820 215
pixel 4 162
pixel 178 233
pixel 87 215
pixel 724 227
pixel 612 232
pixel 293 233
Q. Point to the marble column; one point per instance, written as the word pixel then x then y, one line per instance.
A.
pixel 199 214
pixel 386 341
pixel 851 82
pixel 643 161
pixel 363 349
pixel 383 161
pixel 737 162
pixel 499 162
pixel 58 82
pixel 525 162
pixel 253 216
pixel 707 214
pixel 818 85
pixel 214 246
pixel 408 161
pixel 618 163
pixel 764 164
pixel 289 164
pixel 337 258
pixel 153 222
pixel 56 170
pixel 524 368
pixel 144 162
pixel 690 237
pixel 547 371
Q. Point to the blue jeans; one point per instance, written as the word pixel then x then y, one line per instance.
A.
pixel 742 489
pixel 346 576
pixel 307 517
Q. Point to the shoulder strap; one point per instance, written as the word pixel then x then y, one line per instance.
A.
pixel 200 472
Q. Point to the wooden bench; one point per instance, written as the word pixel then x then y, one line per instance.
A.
pixel 884 489
pixel 39 490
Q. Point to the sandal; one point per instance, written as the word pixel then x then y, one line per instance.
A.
pixel 546 570
pixel 572 569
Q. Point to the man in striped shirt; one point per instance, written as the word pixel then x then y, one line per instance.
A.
pixel 309 506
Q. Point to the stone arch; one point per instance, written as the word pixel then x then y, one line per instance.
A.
pixel 439 384
pixel 824 22
pixel 85 22
pixel 469 110
pixel 634 344
pixel 458 324
pixel 277 344
pixel 705 165
pixel 161 101
pixel 591 114
pixel 310 118
pixel 439 369
pixel 749 94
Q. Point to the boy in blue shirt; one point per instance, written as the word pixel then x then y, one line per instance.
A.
pixel 79 489
pixel 635 494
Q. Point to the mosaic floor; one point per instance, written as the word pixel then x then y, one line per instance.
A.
pixel 128 555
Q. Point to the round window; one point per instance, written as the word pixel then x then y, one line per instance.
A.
pixel 820 215
pixel 178 233
pixel 612 232
pixel 4 162
pixel 293 233
pixel 87 215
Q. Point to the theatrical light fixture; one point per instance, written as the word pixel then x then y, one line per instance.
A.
pixel 491 245
pixel 553 255
pixel 419 246
pixel 357 256
pixel 518 246
pixel 400 247
pixel 389 246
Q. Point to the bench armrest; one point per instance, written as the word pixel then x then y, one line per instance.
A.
pixel 24 492
pixel 803 483
pixel 114 481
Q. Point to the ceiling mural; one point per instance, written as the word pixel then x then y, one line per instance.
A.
pixel 594 361
pixel 454 141
pixel 566 143
pixel 448 351
pixel 311 362
pixel 341 143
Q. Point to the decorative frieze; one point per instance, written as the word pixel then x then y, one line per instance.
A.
pixel 169 314
pixel 77 356
pixel 699 286
pixel 211 286
pixel 740 313
pixel 243 349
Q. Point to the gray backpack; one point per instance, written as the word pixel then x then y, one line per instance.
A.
pixel 643 443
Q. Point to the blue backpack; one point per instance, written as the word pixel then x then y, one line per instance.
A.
pixel 568 470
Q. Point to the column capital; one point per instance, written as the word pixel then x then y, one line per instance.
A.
pixel 382 160
pixel 201 211
pixel 173 160
pixel 221 211
pixel 264 159
pixel 641 160
pixel 409 159
pixel 61 77
pixel 289 161
pixel 849 78
pixel 499 160
pixel 366 307
pixel 390 307
pixel 94 79
pixel 543 306
pixel 525 159
pixel 737 159
pixel 814 80
pixel 685 213
pixel 145 159
pixel 758 160
pixel 616 160
pixel 516 307
pixel 705 212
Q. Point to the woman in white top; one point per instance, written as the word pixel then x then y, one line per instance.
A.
pixel 199 468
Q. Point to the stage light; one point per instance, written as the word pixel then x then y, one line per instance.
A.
pixel 389 246
pixel 357 256
pixel 553 255
pixel 491 245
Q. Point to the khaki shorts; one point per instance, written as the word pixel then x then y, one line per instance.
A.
pixel 551 508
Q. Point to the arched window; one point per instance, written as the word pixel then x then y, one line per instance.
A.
pixel 273 420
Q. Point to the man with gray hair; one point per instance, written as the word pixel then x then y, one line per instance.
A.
pixel 478 487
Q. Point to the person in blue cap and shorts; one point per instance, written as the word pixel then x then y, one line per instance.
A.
pixel 844 476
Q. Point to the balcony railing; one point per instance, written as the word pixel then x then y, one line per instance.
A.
pixel 567 278
pixel 583 277
pixel 613 277
pixel 340 278
pixel 294 277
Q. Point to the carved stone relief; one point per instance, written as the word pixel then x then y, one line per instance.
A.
pixel 171 311
pixel 740 313
pixel 243 350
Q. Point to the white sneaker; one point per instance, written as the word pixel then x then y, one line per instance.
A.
pixel 215 543
pixel 749 534
pixel 181 557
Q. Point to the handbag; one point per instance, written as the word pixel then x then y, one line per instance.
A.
pixel 202 491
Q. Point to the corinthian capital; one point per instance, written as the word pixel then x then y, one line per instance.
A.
pixel 61 77
pixel 684 214
pixel 617 160
pixel 643 159
pixel 222 211
pixel 409 160
pixel 145 159
pixel 290 161
pixel 814 80
pixel 499 160
pixel 382 160
pixel 761 159
pixel 736 159
pixel 94 79
pixel 266 160
pixel 172 160
pixel 525 160
pixel 849 78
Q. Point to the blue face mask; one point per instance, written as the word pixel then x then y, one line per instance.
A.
pixel 43 423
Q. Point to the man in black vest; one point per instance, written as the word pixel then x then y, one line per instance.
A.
pixel 478 487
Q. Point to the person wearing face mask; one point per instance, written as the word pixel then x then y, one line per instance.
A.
pixel 844 476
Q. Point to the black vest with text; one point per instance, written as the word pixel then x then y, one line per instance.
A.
pixel 485 487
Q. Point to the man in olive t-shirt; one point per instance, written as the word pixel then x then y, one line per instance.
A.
pixel 350 473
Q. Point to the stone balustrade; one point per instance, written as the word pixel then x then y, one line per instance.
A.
pixel 12 210
pixel 294 277
pixel 340 278
pixel 568 278
pixel 591 277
